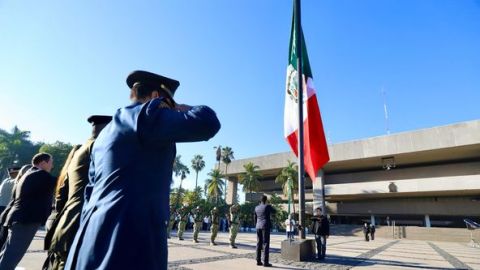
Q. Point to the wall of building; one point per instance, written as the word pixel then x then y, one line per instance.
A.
pixel 446 206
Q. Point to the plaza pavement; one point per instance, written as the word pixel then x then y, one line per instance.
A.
pixel 343 252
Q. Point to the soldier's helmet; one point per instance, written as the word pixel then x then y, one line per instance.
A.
pixel 214 209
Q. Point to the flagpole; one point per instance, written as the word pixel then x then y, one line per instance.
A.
pixel 301 166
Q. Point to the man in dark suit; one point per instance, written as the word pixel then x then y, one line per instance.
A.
pixel 321 229
pixel 31 207
pixel 263 226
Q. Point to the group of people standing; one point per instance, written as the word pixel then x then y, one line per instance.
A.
pixel 183 214
pixel 112 197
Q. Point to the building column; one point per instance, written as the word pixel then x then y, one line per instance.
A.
pixel 318 192
pixel 232 186
pixel 427 221
pixel 372 220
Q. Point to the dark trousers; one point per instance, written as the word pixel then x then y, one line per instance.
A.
pixel 367 238
pixel 321 241
pixel 3 235
pixel 373 236
pixel 19 238
pixel 263 241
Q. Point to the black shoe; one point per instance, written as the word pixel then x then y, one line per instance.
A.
pixel 181 239
pixel 267 265
pixel 259 263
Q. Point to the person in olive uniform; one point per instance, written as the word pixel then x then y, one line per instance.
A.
pixel 197 217
pixel 234 224
pixel 183 212
pixel 70 199
pixel 171 220
pixel 214 228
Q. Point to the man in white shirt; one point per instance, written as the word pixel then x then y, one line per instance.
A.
pixel 6 188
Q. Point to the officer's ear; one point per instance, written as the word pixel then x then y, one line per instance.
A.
pixel 154 94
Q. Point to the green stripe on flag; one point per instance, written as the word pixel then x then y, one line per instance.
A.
pixel 292 52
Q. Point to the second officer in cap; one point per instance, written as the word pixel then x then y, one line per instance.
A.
pixel 70 197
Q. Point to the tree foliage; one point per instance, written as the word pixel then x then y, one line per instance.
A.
pixel 197 165
pixel 250 178
pixel 16 149
pixel 227 156
pixel 59 151
pixel 288 180
pixel 214 185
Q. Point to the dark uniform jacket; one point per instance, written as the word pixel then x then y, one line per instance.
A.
pixel 33 198
pixel 127 199
pixel 262 216
pixel 320 225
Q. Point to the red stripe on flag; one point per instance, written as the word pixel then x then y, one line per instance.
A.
pixel 314 145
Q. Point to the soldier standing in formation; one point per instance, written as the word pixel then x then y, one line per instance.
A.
pixel 197 217
pixel 183 212
pixel 171 220
pixel 234 224
pixel 214 229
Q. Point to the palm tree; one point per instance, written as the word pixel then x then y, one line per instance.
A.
pixel 249 179
pixel 214 184
pixel 227 156
pixel 197 165
pixel 288 180
pixel 179 169
pixel 218 154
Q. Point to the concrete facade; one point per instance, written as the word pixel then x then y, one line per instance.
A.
pixel 422 177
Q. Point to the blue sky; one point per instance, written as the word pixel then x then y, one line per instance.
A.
pixel 61 61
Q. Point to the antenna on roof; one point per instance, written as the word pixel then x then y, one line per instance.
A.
pixel 387 126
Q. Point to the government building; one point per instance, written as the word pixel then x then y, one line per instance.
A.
pixel 428 177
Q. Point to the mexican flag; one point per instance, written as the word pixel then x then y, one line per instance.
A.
pixel 315 145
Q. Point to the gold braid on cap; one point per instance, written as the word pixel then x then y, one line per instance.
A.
pixel 164 88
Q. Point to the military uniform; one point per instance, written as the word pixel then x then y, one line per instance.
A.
pixel 214 228
pixel 234 224
pixel 171 221
pixel 127 199
pixel 197 225
pixel 183 222
pixel 70 200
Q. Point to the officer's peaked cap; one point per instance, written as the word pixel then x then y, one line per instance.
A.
pixel 99 119
pixel 154 80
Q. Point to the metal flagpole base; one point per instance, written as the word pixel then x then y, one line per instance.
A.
pixel 298 250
